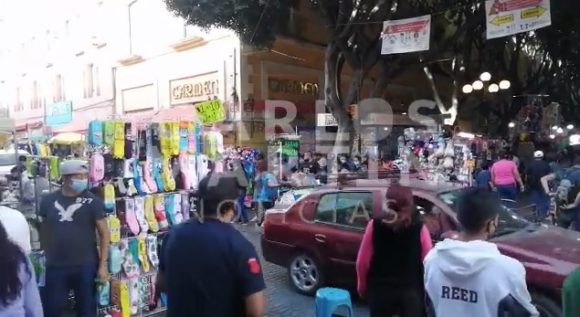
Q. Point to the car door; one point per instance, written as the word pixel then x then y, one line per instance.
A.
pixel 341 218
pixel 426 205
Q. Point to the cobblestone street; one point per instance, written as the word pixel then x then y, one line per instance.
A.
pixel 282 300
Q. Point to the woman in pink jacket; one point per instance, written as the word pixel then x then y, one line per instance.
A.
pixel 390 260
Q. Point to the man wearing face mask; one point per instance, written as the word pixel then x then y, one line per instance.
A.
pixel 469 276
pixel 70 217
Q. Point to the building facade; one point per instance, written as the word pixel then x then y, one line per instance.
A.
pixel 112 59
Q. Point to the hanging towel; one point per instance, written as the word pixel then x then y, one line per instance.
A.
pixel 95 132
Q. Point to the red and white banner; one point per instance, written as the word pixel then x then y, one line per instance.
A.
pixel 406 35
pixel 508 17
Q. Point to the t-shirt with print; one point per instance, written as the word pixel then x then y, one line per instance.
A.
pixel 70 224
pixel 266 192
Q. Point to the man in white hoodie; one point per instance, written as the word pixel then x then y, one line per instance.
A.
pixel 469 276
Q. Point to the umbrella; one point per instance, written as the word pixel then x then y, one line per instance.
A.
pixel 67 138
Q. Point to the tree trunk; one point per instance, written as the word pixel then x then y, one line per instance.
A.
pixel 333 101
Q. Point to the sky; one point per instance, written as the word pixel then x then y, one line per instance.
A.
pixel 22 19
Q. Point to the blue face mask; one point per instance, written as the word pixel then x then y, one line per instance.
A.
pixel 79 185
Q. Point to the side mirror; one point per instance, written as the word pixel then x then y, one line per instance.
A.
pixel 450 235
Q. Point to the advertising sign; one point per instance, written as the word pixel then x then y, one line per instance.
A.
pixel 196 88
pixel 326 120
pixel 58 113
pixel 290 148
pixel 406 35
pixel 508 17
pixel 211 112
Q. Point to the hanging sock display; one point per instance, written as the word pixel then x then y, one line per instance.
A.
pixel 109 133
pixel 174 139
pixel 139 181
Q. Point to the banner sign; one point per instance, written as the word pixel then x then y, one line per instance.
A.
pixel 406 35
pixel 291 148
pixel 58 113
pixel 211 111
pixel 508 17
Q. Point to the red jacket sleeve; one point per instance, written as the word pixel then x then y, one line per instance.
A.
pixel 363 260
pixel 426 242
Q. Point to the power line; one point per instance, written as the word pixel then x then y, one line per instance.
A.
pixel 436 13
pixel 267 2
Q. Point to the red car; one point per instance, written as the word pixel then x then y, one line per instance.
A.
pixel 318 237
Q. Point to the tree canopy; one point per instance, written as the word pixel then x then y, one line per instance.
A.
pixel 546 61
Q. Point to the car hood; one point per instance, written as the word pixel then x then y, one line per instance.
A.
pixel 543 247
pixel 5 170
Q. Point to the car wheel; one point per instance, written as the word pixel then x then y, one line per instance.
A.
pixel 546 307
pixel 305 274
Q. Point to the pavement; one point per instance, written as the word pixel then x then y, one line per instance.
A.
pixel 282 300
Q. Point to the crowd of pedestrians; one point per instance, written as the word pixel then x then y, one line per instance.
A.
pixel 221 273
pixel 544 178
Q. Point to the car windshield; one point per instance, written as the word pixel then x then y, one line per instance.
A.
pixel 7 159
pixel 292 196
pixel 509 221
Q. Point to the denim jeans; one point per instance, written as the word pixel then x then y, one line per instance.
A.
pixel 508 191
pixel 542 202
pixel 242 209
pixel 60 280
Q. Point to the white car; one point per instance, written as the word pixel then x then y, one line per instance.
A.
pixel 8 160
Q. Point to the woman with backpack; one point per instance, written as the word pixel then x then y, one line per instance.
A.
pixel 389 263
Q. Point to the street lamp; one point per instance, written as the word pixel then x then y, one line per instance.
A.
pixel 467 89
pixel 555 128
pixel 552 136
pixel 511 125
pixel 493 88
pixel 570 127
pixel 477 85
pixel 505 84
pixel 485 76
pixel 560 131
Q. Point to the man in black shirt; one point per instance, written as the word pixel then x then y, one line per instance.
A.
pixel 535 170
pixel 71 217
pixel 207 267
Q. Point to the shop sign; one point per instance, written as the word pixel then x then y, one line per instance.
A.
pixel 290 148
pixel 211 111
pixel 326 120
pixel 294 87
pixel 195 89
pixel 508 17
pixel 58 113
pixel 406 35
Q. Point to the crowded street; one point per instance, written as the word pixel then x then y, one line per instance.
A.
pixel 289 158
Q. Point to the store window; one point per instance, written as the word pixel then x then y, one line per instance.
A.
pixel 36 99
pixel 91 82
pixel 58 93
pixel 18 105
pixel 351 209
